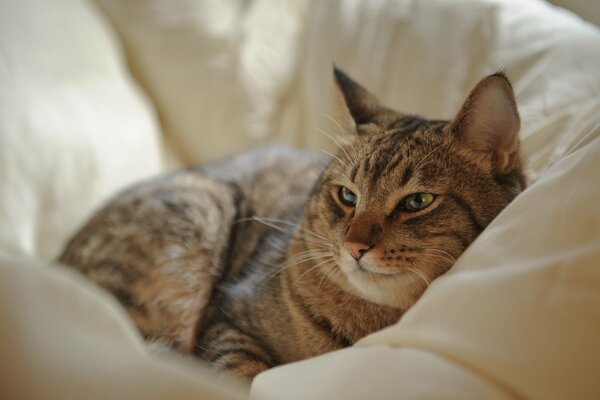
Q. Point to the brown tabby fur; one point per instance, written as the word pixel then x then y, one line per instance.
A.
pixel 245 262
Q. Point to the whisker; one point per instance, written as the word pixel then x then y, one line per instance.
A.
pixel 293 261
pixel 351 142
pixel 333 156
pixel 336 142
pixel 270 275
pixel 313 237
pixel 335 121
pixel 420 163
pixel 450 256
pixel 414 269
pixel 329 272
pixel 312 268
pixel 284 222
pixel 354 151
pixel 310 257
pixel 442 266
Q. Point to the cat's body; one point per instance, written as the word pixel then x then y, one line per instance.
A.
pixel 161 246
pixel 278 255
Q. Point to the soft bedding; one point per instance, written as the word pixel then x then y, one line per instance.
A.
pixel 74 126
pixel 516 317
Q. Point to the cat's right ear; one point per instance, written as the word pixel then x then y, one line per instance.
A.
pixel 362 106
pixel 488 122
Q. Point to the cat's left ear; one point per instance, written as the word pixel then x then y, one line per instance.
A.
pixel 488 122
pixel 363 107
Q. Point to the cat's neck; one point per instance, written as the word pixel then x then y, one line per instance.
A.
pixel 320 301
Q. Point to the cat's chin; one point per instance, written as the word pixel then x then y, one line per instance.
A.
pixel 398 289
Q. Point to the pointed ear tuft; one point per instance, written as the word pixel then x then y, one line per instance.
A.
pixel 489 123
pixel 361 104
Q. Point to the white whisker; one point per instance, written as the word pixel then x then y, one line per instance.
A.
pixel 337 143
pixel 312 268
pixel 306 256
pixel 334 156
pixel 351 142
pixel 450 256
pixel 329 272
pixel 335 121
pixel 284 222
pixel 414 269
pixel 420 163
pixel 314 238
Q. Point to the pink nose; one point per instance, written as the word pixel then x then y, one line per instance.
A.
pixel 356 250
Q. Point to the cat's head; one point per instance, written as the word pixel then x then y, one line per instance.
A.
pixel 405 195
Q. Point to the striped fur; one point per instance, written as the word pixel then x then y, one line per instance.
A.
pixel 245 262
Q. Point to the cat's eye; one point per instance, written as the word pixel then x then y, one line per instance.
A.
pixel 417 201
pixel 347 197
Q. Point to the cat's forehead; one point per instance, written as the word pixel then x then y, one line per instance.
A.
pixel 387 152
pixel 407 135
pixel 392 152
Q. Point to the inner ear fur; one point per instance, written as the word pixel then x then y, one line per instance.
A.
pixel 488 122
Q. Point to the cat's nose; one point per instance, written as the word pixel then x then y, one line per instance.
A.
pixel 357 250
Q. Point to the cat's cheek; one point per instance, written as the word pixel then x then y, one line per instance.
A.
pixel 346 263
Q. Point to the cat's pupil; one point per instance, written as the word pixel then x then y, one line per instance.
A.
pixel 418 201
pixel 347 197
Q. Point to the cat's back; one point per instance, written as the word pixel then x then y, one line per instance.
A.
pixel 271 178
pixel 160 246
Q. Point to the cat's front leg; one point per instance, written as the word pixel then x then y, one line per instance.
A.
pixel 228 349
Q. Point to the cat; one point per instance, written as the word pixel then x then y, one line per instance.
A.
pixel 277 255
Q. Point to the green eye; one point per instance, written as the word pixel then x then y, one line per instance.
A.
pixel 417 201
pixel 347 197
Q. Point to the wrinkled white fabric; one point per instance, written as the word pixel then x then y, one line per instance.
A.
pixel 62 338
pixel 215 69
pixel 73 126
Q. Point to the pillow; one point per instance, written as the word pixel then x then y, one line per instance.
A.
pixel 216 70
pixel 62 337
pixel 73 126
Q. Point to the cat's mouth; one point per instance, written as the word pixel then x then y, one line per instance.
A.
pixel 370 270
pixel 378 283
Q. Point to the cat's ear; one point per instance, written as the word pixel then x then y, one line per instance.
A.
pixel 362 106
pixel 488 122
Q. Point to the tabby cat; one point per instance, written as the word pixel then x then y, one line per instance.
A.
pixel 278 255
